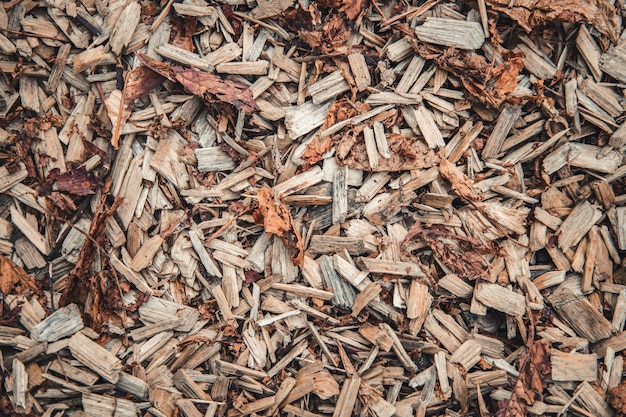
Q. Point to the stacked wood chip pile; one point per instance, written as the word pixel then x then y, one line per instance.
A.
pixel 313 208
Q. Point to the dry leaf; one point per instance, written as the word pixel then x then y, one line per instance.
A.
pixel 276 216
pixel 488 84
pixel 77 182
pixel 276 219
pixel 462 254
pixel 461 185
pixel 120 104
pixel 140 82
pixel 532 13
pixel 406 154
pixel 204 85
pixel 534 369
pixel 183 29
pixel 13 279
pixel 118 113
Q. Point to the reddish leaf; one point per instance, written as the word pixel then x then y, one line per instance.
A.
pixel 534 369
pixel 183 29
pixel 77 182
pixel 140 82
pixel 157 66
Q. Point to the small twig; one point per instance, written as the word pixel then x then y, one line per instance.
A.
pixel 17 32
pixel 414 12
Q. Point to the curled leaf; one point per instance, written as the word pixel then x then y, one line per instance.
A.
pixel 276 218
pixel 461 185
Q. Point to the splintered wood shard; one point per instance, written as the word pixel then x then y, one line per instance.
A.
pixel 301 208
pixel 451 32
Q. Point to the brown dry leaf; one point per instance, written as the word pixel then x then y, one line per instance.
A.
pixel 120 104
pixel 316 149
pixel 502 81
pixel 461 185
pixel 157 66
pixel 78 182
pixel 140 82
pixel 13 279
pixel 183 29
pixel 463 255
pixel 118 113
pixel 353 8
pixel 488 84
pixel 406 154
pixel 331 37
pixel 203 85
pixel 276 219
pixel 534 369
pixel 77 289
pixel 532 13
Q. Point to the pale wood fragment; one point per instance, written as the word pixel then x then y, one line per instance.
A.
pixel 95 357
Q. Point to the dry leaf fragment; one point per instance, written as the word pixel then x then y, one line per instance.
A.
pixel 534 369
pixel 276 219
pixel 406 154
pixel 532 13
pixel 77 182
pixel 461 185
pixel 204 85
pixel 13 279
pixel 463 255
pixel 139 82
pixel 118 113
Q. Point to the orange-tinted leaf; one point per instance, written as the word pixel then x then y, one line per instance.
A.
pixel 461 185
pixel 276 219
pixel 13 279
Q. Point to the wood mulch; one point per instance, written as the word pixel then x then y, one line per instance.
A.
pixel 312 208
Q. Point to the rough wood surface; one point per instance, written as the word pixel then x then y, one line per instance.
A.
pixel 329 208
